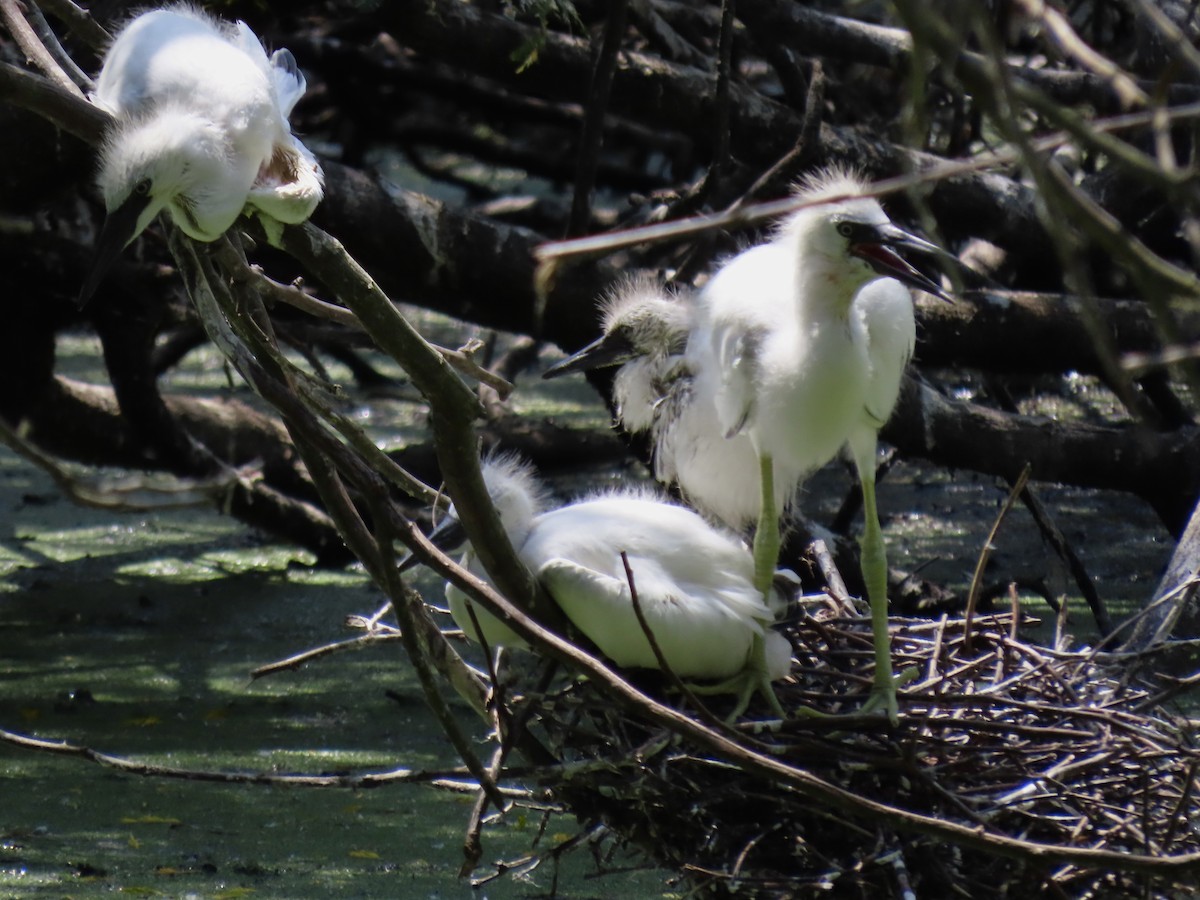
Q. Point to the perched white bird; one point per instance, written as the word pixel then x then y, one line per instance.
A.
pixel 645 331
pixel 694 582
pixel 801 369
pixel 201 130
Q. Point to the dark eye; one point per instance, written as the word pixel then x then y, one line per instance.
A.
pixel 845 229
pixel 142 188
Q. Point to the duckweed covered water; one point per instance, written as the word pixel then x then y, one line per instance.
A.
pixel 135 635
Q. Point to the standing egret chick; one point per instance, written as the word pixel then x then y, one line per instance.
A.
pixel 694 582
pixel 797 375
pixel 645 331
pixel 201 130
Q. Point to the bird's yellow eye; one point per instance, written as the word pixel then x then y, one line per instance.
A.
pixel 142 188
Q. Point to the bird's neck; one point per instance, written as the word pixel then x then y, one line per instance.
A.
pixel 825 292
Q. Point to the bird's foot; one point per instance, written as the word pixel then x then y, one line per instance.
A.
pixel 883 694
pixel 745 685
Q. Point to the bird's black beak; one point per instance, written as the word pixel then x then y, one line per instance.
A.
pixel 120 227
pixel 609 350
pixel 446 536
pixel 877 246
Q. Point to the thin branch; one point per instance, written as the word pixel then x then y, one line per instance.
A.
pixel 47 36
pixel 299 660
pixel 985 552
pixel 34 49
pixel 745 217
pixel 438 777
pixel 80 22
pixel 593 123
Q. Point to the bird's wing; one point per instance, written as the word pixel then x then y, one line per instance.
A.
pixel 285 75
pixel 247 41
pixel 885 306
pixel 599 606
pixel 698 638
pixel 289 80
pixel 737 354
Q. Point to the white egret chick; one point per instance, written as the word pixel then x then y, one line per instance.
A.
pixel 644 331
pixel 794 366
pixel 695 583
pixel 201 130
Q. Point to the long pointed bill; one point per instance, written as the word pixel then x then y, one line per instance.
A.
pixel 120 227
pixel 609 350
pixel 875 247
pixel 446 536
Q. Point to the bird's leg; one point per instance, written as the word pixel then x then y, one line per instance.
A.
pixel 766 535
pixel 874 571
pixel 753 678
pixel 766 557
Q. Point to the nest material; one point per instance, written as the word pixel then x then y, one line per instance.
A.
pixel 1004 737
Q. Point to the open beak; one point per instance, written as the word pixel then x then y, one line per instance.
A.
pixel 120 227
pixel 609 350
pixel 877 246
pixel 446 536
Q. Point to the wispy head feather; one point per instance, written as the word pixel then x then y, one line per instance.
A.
pixel 654 319
pixel 833 182
pixel 832 191
pixel 164 146
pixel 514 488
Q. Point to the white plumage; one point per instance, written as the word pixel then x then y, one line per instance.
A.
pixel 645 331
pixel 795 348
pixel 801 368
pixel 694 582
pixel 201 131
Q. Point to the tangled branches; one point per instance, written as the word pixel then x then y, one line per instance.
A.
pixel 1051 760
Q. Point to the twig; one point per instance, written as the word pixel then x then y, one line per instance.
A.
pixel 34 49
pixel 367 779
pixel 663 665
pixel 985 552
pixel 747 216
pixel 47 36
pixel 833 577
pixel 593 122
pixel 299 660
pixel 80 22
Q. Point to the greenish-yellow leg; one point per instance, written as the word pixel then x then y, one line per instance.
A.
pixel 753 678
pixel 766 556
pixel 766 535
pixel 874 572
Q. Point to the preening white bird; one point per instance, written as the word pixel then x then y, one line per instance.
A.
pixel 802 369
pixel 201 130
pixel 695 583
pixel 645 330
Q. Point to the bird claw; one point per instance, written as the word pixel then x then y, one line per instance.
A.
pixel 883 694
pixel 883 699
pixel 745 685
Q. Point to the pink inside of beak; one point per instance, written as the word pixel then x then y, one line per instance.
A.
pixel 881 257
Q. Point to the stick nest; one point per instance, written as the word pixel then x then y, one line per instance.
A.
pixel 1043 750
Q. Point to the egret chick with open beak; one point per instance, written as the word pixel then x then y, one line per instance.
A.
pixel 796 366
